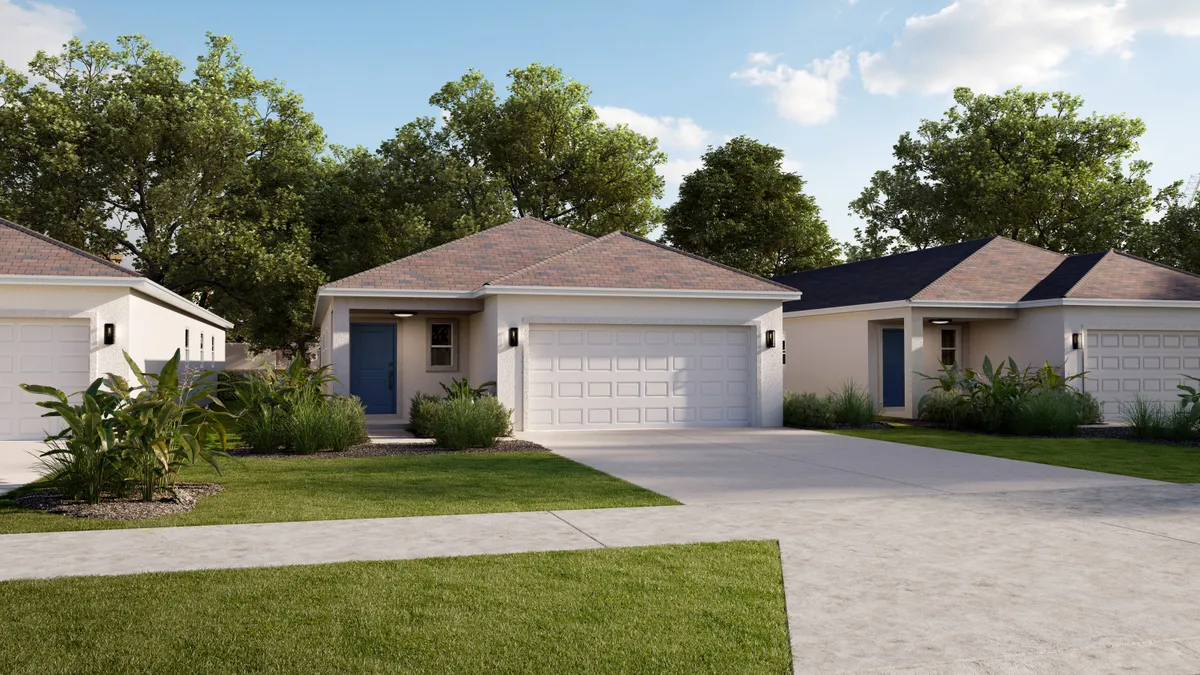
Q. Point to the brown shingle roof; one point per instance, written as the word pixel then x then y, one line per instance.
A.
pixel 1121 276
pixel 24 251
pixel 468 263
pixel 532 252
pixel 1003 270
pixel 623 260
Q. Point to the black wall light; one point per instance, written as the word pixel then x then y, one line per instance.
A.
pixel 770 339
pixel 110 333
pixel 1076 340
pixel 513 335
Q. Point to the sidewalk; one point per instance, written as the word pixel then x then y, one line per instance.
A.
pixel 1063 581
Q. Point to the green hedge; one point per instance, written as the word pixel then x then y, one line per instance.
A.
pixel 460 422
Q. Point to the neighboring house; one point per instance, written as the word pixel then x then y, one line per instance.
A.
pixel 1132 325
pixel 577 332
pixel 65 316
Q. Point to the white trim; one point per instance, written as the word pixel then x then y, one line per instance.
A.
pixel 1026 304
pixel 638 292
pixel 391 293
pixel 140 284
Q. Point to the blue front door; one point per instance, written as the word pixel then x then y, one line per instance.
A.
pixel 373 366
pixel 893 367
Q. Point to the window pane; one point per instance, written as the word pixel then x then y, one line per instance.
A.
pixel 949 339
pixel 440 356
pixel 949 356
pixel 440 334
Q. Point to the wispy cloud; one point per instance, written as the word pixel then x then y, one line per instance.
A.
pixel 807 95
pixel 26 27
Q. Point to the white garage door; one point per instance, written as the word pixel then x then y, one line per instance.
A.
pixel 38 351
pixel 1123 364
pixel 595 377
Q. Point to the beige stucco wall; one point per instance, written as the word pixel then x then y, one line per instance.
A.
pixel 826 350
pixel 147 329
pixel 157 331
pixel 522 310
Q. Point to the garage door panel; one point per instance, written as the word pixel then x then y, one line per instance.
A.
pixel 1123 364
pixel 51 352
pixel 631 375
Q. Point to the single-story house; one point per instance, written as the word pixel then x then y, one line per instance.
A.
pixel 576 331
pixel 66 315
pixel 1131 325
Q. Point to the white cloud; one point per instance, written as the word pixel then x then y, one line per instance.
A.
pixel 990 45
pixel 671 132
pixel 807 95
pixel 675 169
pixel 30 26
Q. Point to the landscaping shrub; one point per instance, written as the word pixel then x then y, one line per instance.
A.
pixel 1009 400
pixel 347 420
pixel 419 413
pixel 1146 418
pixel 130 437
pixel 1048 413
pixel 852 405
pixel 460 423
pixel 806 411
pixel 306 426
pixel 262 428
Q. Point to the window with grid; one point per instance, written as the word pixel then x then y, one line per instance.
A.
pixel 950 346
pixel 443 344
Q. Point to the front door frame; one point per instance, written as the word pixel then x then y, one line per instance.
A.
pixel 378 407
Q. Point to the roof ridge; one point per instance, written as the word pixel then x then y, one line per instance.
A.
pixel 63 245
pixel 455 241
pixel 1029 245
pixel 547 260
pixel 710 262
pixel 991 241
pixel 1091 270
pixel 1165 266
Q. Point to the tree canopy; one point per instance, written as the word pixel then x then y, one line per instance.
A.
pixel 1022 164
pixel 742 209
pixel 112 149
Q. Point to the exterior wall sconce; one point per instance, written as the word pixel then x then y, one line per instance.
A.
pixel 513 336
pixel 1076 340
pixel 770 339
pixel 110 333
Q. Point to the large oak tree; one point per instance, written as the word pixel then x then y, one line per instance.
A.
pixel 741 208
pixel 1023 164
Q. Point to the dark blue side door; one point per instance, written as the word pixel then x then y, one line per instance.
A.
pixel 893 367
pixel 373 366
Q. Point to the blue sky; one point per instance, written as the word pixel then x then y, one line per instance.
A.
pixel 832 82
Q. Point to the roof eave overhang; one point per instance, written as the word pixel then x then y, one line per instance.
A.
pixel 1022 304
pixel 325 295
pixel 140 284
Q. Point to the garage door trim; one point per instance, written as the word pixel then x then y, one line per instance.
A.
pixel 755 355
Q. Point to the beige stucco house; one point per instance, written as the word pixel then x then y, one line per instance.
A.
pixel 576 331
pixel 66 316
pixel 1132 326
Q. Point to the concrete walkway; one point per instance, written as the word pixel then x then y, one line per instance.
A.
pixel 1063 581
pixel 896 560
pixel 721 466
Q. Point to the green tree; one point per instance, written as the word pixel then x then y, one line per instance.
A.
pixel 116 150
pixel 1022 164
pixel 742 209
pixel 1173 239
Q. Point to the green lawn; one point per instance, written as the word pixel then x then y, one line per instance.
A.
pixel 259 490
pixel 698 608
pixel 1172 463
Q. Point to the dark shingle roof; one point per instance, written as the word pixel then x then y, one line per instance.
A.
pixel 24 251
pixel 1064 277
pixel 893 277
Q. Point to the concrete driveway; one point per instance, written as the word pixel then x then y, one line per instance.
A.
pixel 18 463
pixel 711 466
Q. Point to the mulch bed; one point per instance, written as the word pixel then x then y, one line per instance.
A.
pixel 120 508
pixel 396 449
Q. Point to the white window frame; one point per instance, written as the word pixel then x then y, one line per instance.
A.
pixel 453 347
pixel 187 345
pixel 957 349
